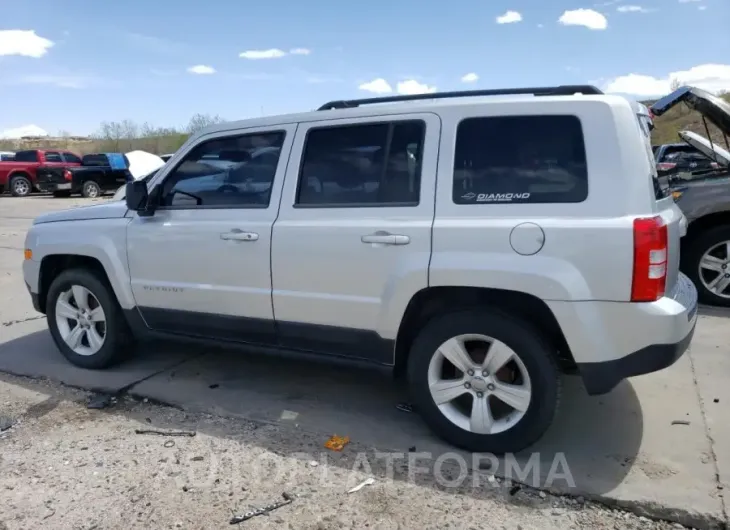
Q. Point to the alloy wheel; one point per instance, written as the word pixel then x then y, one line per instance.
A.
pixel 479 384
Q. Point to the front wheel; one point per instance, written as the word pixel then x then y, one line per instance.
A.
pixel 484 381
pixel 708 265
pixel 91 190
pixel 85 320
pixel 20 186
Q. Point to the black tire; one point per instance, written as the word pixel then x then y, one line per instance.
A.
pixel 700 244
pixel 20 186
pixel 118 340
pixel 91 190
pixel 536 355
pixel 61 194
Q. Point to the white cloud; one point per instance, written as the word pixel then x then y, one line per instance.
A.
pixel 61 81
pixel 273 53
pixel 25 130
pixel 509 17
pixel 584 17
pixel 702 8
pixel 688 1
pixel 23 42
pixel 471 77
pixel 377 86
pixel 711 77
pixel 201 69
pixel 540 25
pixel 407 87
pixel 411 86
pixel 632 9
pixel 300 51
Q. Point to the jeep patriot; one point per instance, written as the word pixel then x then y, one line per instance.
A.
pixel 475 244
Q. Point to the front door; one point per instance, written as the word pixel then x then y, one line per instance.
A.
pixel 201 264
pixel 353 239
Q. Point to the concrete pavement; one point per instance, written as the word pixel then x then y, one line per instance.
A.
pixel 625 447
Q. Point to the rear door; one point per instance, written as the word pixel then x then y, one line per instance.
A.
pixel 352 241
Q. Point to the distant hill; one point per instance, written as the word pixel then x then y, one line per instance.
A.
pixel 681 118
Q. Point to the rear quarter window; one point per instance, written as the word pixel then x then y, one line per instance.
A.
pixel 520 159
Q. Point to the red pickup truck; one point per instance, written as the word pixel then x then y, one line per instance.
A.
pixel 19 176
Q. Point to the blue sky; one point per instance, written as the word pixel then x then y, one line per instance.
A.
pixel 130 60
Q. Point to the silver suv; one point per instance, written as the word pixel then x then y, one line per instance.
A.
pixel 476 244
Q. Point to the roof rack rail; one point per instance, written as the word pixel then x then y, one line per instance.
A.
pixel 565 90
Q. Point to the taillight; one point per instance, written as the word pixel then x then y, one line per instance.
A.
pixel 650 259
pixel 67 175
pixel 666 166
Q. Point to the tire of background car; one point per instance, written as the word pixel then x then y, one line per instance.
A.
pixel 20 186
pixel 517 340
pixel 61 193
pixel 709 241
pixel 91 190
pixel 85 320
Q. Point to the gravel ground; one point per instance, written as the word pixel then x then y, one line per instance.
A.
pixel 63 465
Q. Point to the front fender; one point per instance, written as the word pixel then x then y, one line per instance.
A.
pixel 102 239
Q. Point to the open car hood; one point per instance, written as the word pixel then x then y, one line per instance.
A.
pixel 712 151
pixel 712 107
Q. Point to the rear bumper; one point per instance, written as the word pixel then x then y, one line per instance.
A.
pixel 600 378
pixel 611 341
pixel 48 187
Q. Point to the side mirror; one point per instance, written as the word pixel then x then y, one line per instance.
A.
pixel 136 195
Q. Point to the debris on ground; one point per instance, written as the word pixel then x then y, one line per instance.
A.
pixel 680 422
pixel 165 433
pixel 367 482
pixel 514 489
pixel 288 415
pixel 337 443
pixel 5 423
pixel 213 386
pixel 404 407
pixel 169 443
pixel 313 463
pixel 287 498
pixel 100 401
pixel 716 400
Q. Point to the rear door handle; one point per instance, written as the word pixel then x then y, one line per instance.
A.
pixel 239 235
pixel 385 238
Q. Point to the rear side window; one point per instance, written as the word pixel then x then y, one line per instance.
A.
pixel 520 159
pixel 71 158
pixel 26 156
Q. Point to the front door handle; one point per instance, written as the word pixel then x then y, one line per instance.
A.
pixel 385 238
pixel 239 235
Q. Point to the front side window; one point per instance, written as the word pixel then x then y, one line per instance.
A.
pixel 520 159
pixel 235 172
pixel 362 165
pixel 52 156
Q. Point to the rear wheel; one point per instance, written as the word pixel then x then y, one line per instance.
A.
pixel 85 320
pixel 484 381
pixel 708 265
pixel 91 190
pixel 20 186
